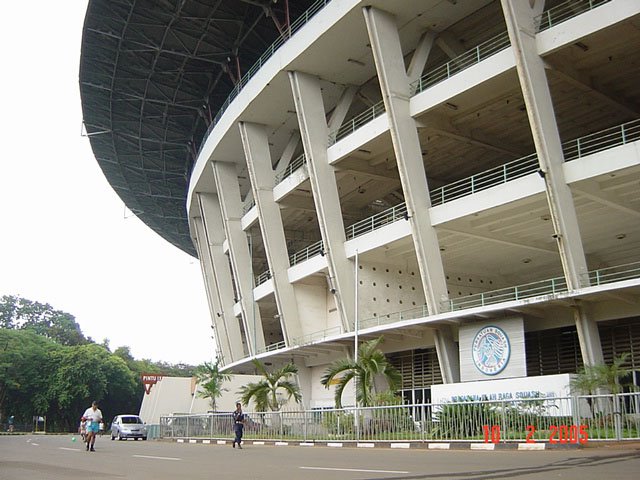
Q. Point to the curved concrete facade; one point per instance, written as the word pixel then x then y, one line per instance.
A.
pixel 414 169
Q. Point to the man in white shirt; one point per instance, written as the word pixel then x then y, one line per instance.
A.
pixel 92 416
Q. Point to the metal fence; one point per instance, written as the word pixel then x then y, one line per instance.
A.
pixel 566 11
pixel 563 420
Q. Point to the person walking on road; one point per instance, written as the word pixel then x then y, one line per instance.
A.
pixel 92 416
pixel 238 425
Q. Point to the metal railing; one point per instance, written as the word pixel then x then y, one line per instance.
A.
pixel 462 62
pixel 376 221
pixel 263 277
pixel 519 292
pixel 295 164
pixel 484 180
pixel 312 250
pixel 572 150
pixel 248 206
pixel 417 312
pixel 550 286
pixel 565 11
pixel 602 140
pixel 317 336
pixel 618 273
pixel 561 420
pixel 356 122
pixel 273 347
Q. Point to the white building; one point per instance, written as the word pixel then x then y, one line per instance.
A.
pixel 419 170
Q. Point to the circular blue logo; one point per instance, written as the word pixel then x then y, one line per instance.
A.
pixel 491 350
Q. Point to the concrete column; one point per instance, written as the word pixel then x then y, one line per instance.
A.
pixel 394 84
pixel 211 288
pixel 287 154
pixel 420 56
pixel 304 382
pixel 387 52
pixel 256 150
pixel 448 354
pixel 588 335
pixel 341 109
pixel 209 205
pixel 226 180
pixel 519 17
pixel 314 133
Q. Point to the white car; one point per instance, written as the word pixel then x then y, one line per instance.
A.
pixel 128 426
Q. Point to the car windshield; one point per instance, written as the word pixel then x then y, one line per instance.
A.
pixel 131 420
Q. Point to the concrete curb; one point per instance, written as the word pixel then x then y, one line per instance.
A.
pixel 461 445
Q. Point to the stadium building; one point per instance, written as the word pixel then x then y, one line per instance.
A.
pixel 459 176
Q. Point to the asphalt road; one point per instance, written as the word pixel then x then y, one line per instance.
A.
pixel 57 457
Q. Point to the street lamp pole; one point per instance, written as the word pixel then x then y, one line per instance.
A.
pixel 355 338
pixel 356 310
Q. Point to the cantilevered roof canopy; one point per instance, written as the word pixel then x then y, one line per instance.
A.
pixel 153 73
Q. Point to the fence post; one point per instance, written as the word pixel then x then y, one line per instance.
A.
pixel 187 426
pixel 281 422
pixel 617 416
pixel 503 427
pixel 304 425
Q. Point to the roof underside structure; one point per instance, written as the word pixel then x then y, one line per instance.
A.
pixel 153 75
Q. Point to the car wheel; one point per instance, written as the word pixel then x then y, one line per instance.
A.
pixel 120 437
pixel 144 438
pixel 112 437
pixel 136 439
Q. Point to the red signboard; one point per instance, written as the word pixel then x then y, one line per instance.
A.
pixel 149 379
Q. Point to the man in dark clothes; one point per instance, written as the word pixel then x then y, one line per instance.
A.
pixel 238 425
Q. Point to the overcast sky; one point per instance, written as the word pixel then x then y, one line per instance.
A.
pixel 65 239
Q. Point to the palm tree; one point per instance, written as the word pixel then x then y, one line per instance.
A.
pixel 210 379
pixel 371 362
pixel 265 392
pixel 592 378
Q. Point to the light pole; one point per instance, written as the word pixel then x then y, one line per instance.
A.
pixel 355 347
pixel 355 303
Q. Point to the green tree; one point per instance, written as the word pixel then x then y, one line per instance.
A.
pixel 210 379
pixel 371 363
pixel 25 369
pixel 86 373
pixel 41 318
pixel 265 392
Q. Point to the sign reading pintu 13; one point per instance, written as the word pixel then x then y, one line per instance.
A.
pixel 494 349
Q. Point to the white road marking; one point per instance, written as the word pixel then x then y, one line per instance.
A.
pixel 353 470
pixel 156 458
pixel 69 449
pixel 35 444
